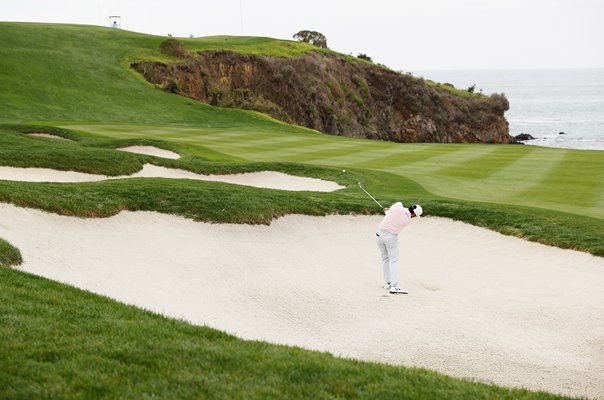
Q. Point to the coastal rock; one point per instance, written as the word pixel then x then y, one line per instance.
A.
pixel 523 136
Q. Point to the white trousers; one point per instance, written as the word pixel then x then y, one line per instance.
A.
pixel 388 245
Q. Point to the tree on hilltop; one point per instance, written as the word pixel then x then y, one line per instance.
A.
pixel 312 37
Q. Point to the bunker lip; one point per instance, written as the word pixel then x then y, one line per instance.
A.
pixel 263 179
pixel 48 136
pixel 151 151
pixel 481 305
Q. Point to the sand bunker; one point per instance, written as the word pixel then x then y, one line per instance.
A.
pixel 481 305
pixel 151 151
pixel 264 179
pixel 47 136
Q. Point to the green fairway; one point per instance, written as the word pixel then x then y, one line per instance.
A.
pixel 75 82
pixel 564 180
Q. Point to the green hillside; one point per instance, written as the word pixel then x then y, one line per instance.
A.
pixel 75 81
pixel 70 72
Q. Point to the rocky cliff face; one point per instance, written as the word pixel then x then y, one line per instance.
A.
pixel 334 95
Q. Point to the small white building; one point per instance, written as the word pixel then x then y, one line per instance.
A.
pixel 115 21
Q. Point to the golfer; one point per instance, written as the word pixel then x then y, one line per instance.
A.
pixel 397 217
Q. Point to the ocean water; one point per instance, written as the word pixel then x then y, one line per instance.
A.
pixel 543 102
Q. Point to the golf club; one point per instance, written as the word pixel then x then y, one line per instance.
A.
pixel 368 194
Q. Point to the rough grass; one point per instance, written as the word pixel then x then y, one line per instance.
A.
pixel 458 92
pixel 261 46
pixel 9 254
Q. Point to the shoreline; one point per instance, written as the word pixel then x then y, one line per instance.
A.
pixel 555 142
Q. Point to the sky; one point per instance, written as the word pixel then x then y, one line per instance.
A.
pixel 404 35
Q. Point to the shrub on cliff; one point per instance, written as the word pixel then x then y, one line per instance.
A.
pixel 172 86
pixel 174 48
pixel 499 102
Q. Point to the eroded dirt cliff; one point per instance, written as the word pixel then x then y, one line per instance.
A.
pixel 333 95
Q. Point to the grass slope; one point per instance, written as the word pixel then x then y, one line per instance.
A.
pixel 90 80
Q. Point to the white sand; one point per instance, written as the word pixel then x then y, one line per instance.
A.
pixel 151 151
pixel 481 305
pixel 47 136
pixel 264 179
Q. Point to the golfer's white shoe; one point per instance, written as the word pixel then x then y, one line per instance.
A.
pixel 397 290
pixel 387 286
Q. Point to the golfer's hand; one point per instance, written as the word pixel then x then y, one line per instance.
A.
pixel 386 209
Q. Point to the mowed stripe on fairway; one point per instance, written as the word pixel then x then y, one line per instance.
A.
pixel 458 155
pixel 354 158
pixel 414 154
pixel 483 166
pixel 284 148
pixel 252 147
pixel 572 170
pixel 531 167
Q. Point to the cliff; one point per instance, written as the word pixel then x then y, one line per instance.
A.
pixel 333 94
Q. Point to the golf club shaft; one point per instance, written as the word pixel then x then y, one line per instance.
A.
pixel 368 194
